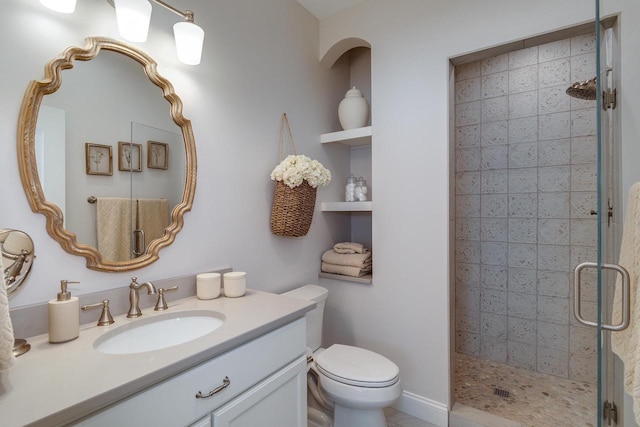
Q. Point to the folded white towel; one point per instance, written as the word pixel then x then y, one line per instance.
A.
pixel 7 359
pixel 350 248
pixel 352 260
pixel 345 270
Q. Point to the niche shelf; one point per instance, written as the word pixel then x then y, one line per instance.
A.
pixel 352 137
pixel 367 279
pixel 346 206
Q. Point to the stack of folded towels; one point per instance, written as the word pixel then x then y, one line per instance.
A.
pixel 348 259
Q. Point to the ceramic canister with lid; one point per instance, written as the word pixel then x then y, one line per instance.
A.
pixel 235 284
pixel 208 285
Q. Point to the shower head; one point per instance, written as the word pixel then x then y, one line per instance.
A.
pixel 583 90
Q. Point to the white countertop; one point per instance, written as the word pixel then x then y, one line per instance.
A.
pixel 54 384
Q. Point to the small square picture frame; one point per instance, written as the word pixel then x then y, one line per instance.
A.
pixel 157 155
pixel 129 157
pixel 98 159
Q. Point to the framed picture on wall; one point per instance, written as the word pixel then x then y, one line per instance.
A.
pixel 99 159
pixel 129 157
pixel 157 155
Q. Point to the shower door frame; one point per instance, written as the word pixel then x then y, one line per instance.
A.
pixel 610 385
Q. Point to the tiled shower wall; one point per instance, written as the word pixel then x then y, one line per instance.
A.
pixel 525 184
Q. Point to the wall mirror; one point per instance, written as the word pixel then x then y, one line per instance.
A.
pixel 106 155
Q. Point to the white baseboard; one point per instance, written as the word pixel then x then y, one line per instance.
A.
pixel 423 408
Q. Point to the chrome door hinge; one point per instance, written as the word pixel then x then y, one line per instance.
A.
pixel 609 213
pixel 609 99
pixel 610 412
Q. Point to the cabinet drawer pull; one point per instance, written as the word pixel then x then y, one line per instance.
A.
pixel 225 383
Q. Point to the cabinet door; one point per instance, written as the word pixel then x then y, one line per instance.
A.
pixel 280 400
pixel 204 422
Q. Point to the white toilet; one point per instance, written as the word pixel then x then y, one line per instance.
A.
pixel 355 382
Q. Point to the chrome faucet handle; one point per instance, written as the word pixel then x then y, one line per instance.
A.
pixel 161 304
pixel 105 316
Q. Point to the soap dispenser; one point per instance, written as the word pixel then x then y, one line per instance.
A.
pixel 64 316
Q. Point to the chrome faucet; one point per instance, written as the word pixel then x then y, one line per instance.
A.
pixel 134 296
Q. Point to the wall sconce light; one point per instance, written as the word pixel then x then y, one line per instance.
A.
pixel 189 39
pixel 133 24
pixel 133 18
pixel 62 6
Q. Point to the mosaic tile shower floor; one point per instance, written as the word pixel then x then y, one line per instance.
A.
pixel 536 400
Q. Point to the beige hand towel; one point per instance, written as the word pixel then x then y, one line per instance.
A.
pixel 350 248
pixel 154 218
pixel 626 344
pixel 344 270
pixel 113 227
pixel 7 359
pixel 352 260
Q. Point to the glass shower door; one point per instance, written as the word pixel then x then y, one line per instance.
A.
pixel 612 279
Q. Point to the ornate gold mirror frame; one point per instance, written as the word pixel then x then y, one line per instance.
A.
pixel 29 170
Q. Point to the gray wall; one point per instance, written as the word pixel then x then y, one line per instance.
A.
pixel 259 60
pixel 405 314
pixel 525 185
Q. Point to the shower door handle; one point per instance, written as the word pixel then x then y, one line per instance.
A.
pixel 625 295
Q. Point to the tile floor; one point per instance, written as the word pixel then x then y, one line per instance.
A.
pixel 536 400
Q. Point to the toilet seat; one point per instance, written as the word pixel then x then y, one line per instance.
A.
pixel 357 367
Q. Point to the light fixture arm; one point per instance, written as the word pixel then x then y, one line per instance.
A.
pixel 187 14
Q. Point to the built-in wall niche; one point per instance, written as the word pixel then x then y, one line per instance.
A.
pixel 354 67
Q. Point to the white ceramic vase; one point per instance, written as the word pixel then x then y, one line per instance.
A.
pixel 353 110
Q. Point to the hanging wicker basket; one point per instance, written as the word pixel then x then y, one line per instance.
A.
pixel 292 209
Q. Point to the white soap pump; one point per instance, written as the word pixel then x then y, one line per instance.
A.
pixel 64 316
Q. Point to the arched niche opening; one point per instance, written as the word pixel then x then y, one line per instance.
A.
pixel 340 48
pixel 353 57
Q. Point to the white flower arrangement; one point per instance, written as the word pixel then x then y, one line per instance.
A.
pixel 295 169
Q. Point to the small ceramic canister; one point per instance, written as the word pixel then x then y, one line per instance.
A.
pixel 235 284
pixel 208 285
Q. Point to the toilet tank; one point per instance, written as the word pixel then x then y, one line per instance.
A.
pixel 314 317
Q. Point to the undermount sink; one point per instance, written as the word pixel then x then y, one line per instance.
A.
pixel 158 332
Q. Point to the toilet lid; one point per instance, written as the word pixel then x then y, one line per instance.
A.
pixel 357 366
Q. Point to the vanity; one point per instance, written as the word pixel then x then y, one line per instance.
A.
pixel 249 371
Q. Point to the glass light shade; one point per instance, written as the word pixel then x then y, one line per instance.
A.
pixel 62 6
pixel 133 19
pixel 189 39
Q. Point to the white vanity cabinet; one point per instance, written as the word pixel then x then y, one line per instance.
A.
pixel 266 387
pixel 278 401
